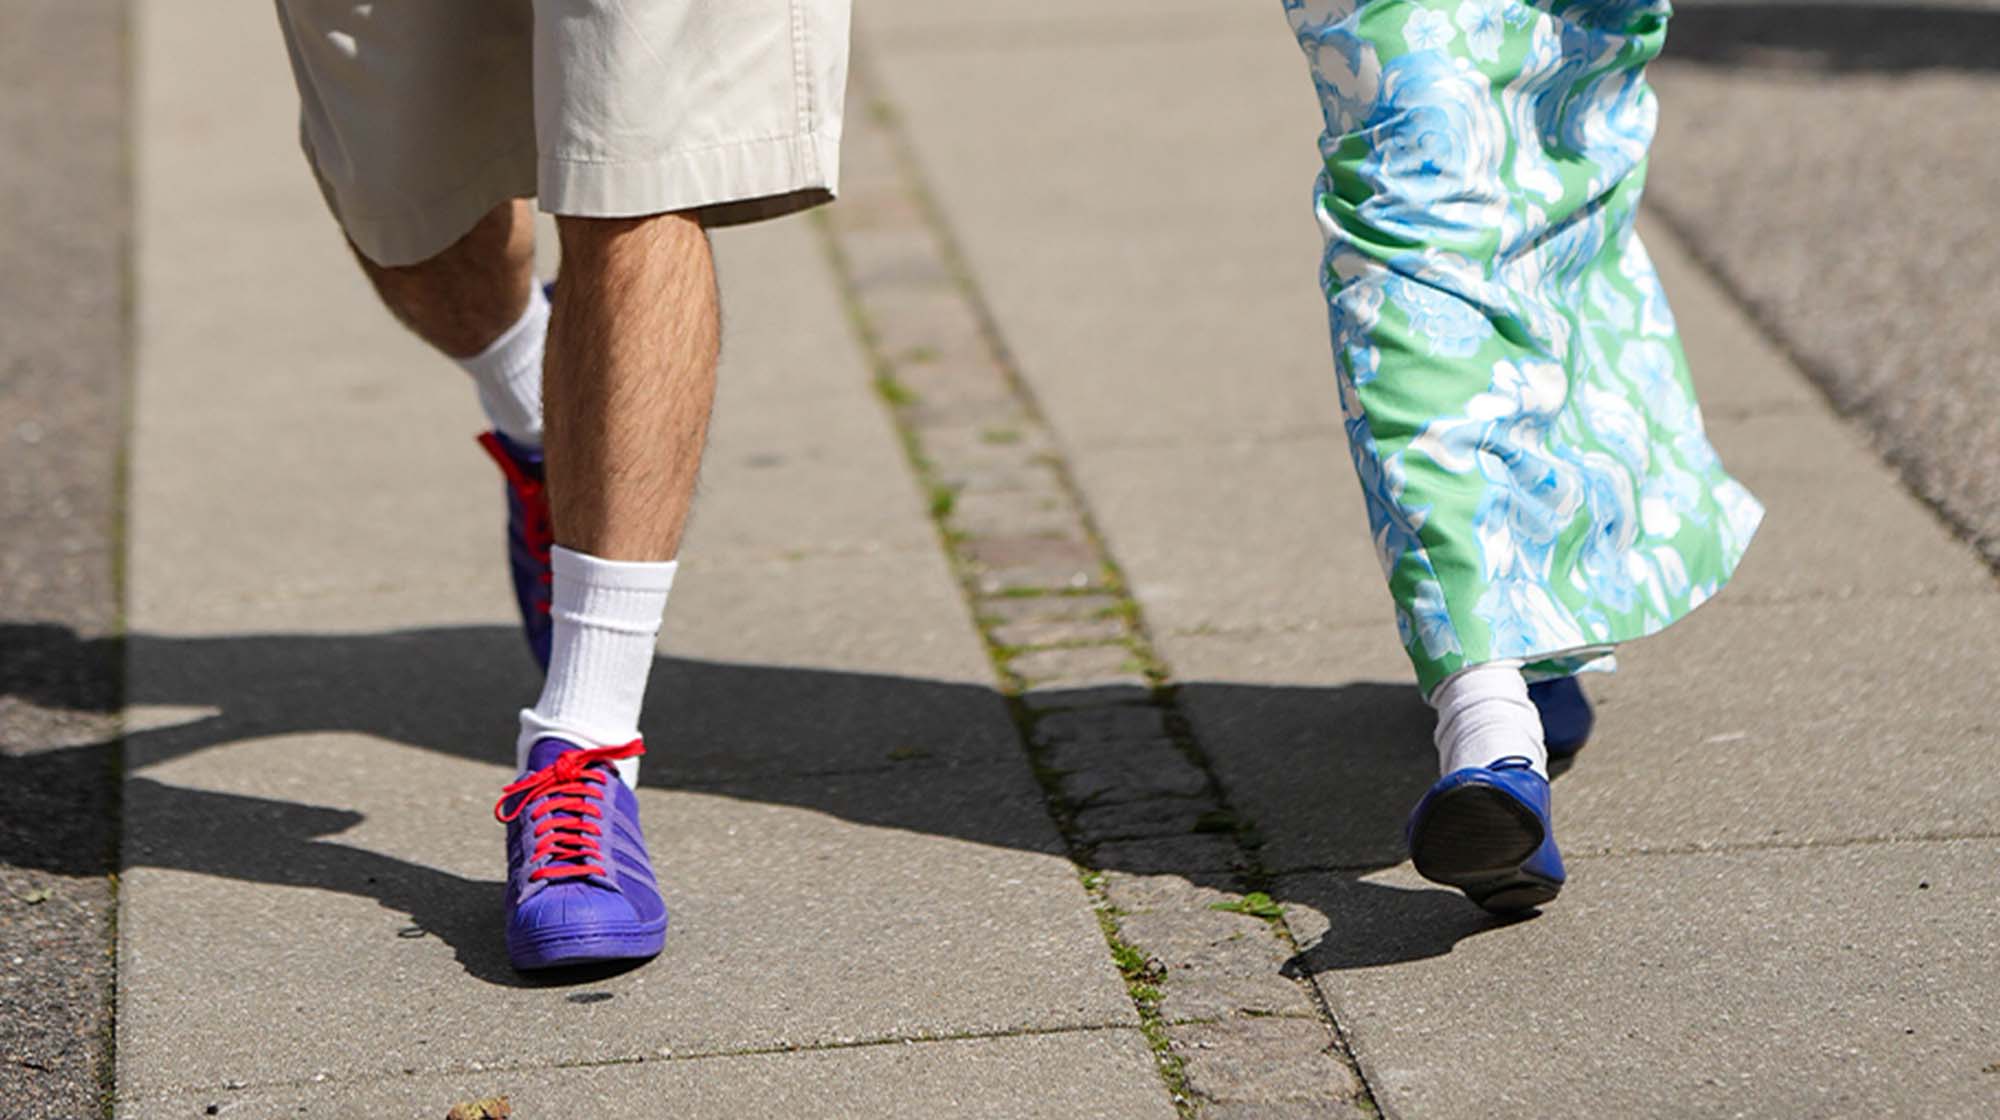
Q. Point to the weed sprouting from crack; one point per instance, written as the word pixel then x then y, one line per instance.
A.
pixel 1256 904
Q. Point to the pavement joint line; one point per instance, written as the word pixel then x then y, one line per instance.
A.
pixel 720 786
pixel 1264 630
pixel 1835 844
pixel 723 557
pixel 1743 413
pixel 1736 601
pixel 127 414
pixel 1016 36
pixel 1085 711
pixel 1312 433
pixel 1681 850
pixel 656 1058
pixel 1755 599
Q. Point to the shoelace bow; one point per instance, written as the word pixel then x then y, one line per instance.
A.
pixel 565 796
pixel 538 534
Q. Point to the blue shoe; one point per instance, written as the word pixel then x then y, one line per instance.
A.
pixel 1486 831
pixel 1566 715
pixel 580 887
pixel 530 536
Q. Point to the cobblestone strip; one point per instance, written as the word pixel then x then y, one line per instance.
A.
pixel 1171 869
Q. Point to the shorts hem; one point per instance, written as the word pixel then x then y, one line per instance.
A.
pixel 727 184
pixel 417 232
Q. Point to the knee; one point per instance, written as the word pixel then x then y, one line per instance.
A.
pixel 464 296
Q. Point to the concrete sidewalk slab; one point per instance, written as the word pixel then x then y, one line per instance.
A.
pixel 1059 145
pixel 1271 548
pixel 1836 524
pixel 1816 726
pixel 1851 981
pixel 275 934
pixel 1322 741
pixel 1836 172
pixel 1098 1075
pixel 324 669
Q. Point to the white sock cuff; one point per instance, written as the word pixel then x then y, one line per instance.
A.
pixel 607 614
pixel 534 729
pixel 1484 714
pixel 508 374
pixel 1488 678
pixel 587 571
pixel 504 352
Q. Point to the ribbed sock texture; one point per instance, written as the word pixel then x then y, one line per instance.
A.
pixel 1484 715
pixel 508 374
pixel 607 614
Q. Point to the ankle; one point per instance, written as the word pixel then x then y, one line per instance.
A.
pixel 1484 715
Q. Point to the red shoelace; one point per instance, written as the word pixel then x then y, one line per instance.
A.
pixel 565 795
pixel 538 534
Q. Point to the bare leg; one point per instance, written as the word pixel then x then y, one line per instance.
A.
pixel 629 381
pixel 462 299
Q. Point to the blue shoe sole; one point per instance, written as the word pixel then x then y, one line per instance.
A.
pixel 595 945
pixel 1477 838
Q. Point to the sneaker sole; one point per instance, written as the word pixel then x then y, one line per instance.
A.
pixel 1476 838
pixel 591 946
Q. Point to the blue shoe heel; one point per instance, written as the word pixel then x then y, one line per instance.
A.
pixel 1487 831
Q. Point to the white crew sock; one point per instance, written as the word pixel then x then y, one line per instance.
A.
pixel 1484 715
pixel 508 374
pixel 607 614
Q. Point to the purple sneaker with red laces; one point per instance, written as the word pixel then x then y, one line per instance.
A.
pixel 530 536
pixel 580 886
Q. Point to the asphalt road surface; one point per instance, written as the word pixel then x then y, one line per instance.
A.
pixel 63 343
pixel 1835 164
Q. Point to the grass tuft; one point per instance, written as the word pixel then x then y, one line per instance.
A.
pixel 1256 904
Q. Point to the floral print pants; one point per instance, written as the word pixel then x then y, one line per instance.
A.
pixel 1538 482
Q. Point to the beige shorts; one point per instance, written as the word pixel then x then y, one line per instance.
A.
pixel 419 116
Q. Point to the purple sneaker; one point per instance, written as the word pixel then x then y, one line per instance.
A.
pixel 580 887
pixel 530 535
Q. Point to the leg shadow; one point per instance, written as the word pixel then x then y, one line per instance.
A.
pixel 1326 773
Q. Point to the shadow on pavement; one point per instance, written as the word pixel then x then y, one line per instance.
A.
pixel 1835 37
pixel 877 750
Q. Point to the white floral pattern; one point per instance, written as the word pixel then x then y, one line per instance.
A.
pixel 1537 478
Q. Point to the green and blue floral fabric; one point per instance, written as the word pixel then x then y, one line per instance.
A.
pixel 1537 478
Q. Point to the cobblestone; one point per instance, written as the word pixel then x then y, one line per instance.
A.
pixel 1133 801
pixel 1021 512
pixel 1027 562
pixel 1108 722
pixel 1264 1062
pixel 1078 666
pixel 1109 773
pixel 1144 818
pixel 1219 963
pixel 1174 855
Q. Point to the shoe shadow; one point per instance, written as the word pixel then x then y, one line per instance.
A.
pixel 884 751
